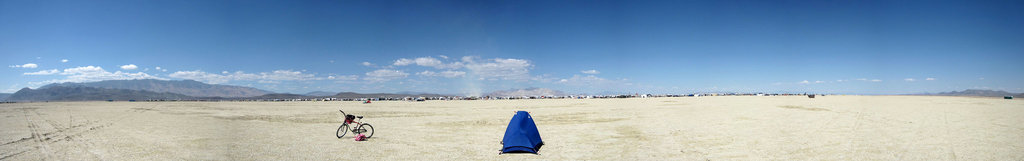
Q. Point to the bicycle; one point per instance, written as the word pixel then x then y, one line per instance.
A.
pixel 362 128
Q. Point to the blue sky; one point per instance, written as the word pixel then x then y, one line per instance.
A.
pixel 473 47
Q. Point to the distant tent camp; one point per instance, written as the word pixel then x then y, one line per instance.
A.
pixel 521 136
pixel 810 96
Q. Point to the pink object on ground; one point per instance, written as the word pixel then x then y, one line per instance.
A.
pixel 360 137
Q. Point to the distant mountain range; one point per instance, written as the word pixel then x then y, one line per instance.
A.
pixel 527 92
pixel 79 93
pixel 146 89
pixel 978 92
pixel 320 93
pixel 3 96
pixel 185 87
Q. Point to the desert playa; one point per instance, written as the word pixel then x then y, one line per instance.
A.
pixel 704 128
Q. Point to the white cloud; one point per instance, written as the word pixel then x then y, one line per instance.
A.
pixel 44 72
pixel 94 73
pixel 590 72
pixel 469 59
pixel 428 62
pixel 869 80
pixel 593 81
pixel 443 56
pixel 482 69
pixel 64 60
pixel 909 79
pixel 809 82
pixel 288 75
pixel 446 74
pixel 203 76
pixel 382 75
pixel 344 77
pixel 426 73
pixel 28 65
pixel 129 67
pixel 367 64
pixel 498 68
pixel 931 79
pixel 262 77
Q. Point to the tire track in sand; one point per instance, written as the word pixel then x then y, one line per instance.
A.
pixel 40 140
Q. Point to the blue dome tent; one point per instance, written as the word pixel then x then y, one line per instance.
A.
pixel 521 136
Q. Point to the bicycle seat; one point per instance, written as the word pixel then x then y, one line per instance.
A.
pixel 360 117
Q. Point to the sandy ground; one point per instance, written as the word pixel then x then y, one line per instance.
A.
pixel 706 128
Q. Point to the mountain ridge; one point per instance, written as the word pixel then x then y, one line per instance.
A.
pixel 184 87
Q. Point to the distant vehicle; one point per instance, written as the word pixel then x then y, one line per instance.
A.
pixel 1008 97
pixel 810 96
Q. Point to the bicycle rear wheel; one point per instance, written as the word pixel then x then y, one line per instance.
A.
pixel 342 130
pixel 366 129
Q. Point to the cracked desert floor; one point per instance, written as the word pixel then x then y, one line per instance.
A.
pixel 704 128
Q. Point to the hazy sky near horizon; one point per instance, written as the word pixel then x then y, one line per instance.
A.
pixel 473 47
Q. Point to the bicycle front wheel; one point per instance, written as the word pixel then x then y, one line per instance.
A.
pixel 366 129
pixel 342 130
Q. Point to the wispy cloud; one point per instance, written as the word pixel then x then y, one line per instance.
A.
pixel 382 75
pixel 869 80
pixel 129 67
pixel 428 62
pixel 64 60
pixel 367 64
pixel 909 79
pixel 593 81
pixel 91 74
pixel 446 74
pixel 499 68
pixel 44 72
pixel 931 79
pixel 262 77
pixel 27 65
pixel 590 72
pixel 344 78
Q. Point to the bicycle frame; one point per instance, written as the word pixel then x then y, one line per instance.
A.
pixel 352 127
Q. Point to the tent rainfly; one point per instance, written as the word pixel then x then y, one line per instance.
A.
pixel 521 136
